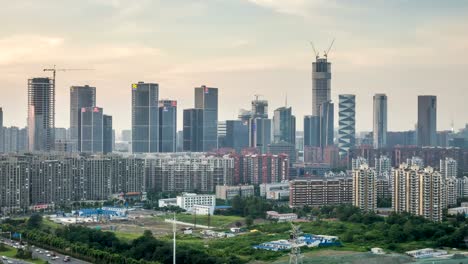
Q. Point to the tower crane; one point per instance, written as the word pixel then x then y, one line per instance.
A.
pixel 325 53
pixel 54 70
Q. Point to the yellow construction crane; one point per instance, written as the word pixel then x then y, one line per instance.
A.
pixel 54 70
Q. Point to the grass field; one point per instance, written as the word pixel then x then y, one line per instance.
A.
pixel 217 221
pixel 11 252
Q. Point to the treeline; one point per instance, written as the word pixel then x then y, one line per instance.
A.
pixel 104 247
pixel 399 228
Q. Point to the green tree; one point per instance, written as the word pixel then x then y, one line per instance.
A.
pixel 35 221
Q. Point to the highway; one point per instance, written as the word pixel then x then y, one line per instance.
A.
pixel 40 253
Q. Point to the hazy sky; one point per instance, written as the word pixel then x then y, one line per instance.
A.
pixel 244 47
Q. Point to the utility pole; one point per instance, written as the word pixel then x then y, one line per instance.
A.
pixel 174 239
pixel 295 256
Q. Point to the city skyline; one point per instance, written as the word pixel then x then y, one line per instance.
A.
pixel 241 63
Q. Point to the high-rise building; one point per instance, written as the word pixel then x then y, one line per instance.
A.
pixel 380 121
pixel 448 168
pixel 206 98
pixel 326 124
pixel 193 130
pixel 41 114
pixel 320 192
pixel 284 126
pixel 260 133
pixel 145 117
pixel 167 125
pixel 108 134
pixel 311 128
pixel 383 166
pixel 14 186
pixel 427 120
pixel 92 129
pixel 321 88
pixel 346 123
pixel 80 96
pixel 365 188
pixel 418 191
pixel 221 134
pixel 126 135
pixel 237 135
pixel 2 137
pixel 259 108
pixel 283 148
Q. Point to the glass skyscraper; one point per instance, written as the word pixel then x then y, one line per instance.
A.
pixel 167 125
pixel 427 120
pixel 206 98
pixel 108 134
pixel 321 88
pixel 346 123
pixel 380 121
pixel 284 126
pixel 92 129
pixel 41 114
pixel 145 117
pixel 193 130
pixel 80 96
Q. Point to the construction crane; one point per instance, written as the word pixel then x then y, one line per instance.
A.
pixel 329 48
pixel 54 70
pixel 315 51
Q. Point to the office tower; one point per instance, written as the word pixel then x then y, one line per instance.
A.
pixel 206 98
pixel 237 135
pixel 91 129
pixel 221 134
pixel 80 96
pixel 427 120
pixel 383 166
pixel 418 191
pixel 107 134
pixel 145 117
pixel 380 121
pixel 41 114
pixel 259 108
pixel 2 137
pixel 448 168
pixel 167 125
pixel 321 88
pixel 260 133
pixel 180 140
pixel 320 192
pixel 326 124
pixel 193 130
pixel 365 188
pixel 346 123
pixel 402 138
pixel 284 126
pixel 311 128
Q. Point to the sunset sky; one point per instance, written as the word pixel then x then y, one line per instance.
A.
pixel 244 47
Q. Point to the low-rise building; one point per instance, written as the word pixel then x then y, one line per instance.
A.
pixel 275 191
pixel 281 217
pixel 188 200
pixel 227 192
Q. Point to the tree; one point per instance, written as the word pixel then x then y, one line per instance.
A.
pixel 34 221
pixel 249 221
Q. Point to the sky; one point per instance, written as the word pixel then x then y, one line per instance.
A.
pixel 243 47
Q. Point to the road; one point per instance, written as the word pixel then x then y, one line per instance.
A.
pixel 43 255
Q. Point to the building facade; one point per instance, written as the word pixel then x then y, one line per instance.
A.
pixel 427 120
pixel 145 117
pixel 365 188
pixel 206 98
pixel 346 123
pixel 320 192
pixel 380 121
pixel 80 96
pixel 41 114
pixel 167 125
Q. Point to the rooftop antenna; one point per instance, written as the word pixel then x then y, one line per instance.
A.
pixel 257 96
pixel 329 48
pixel 315 51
